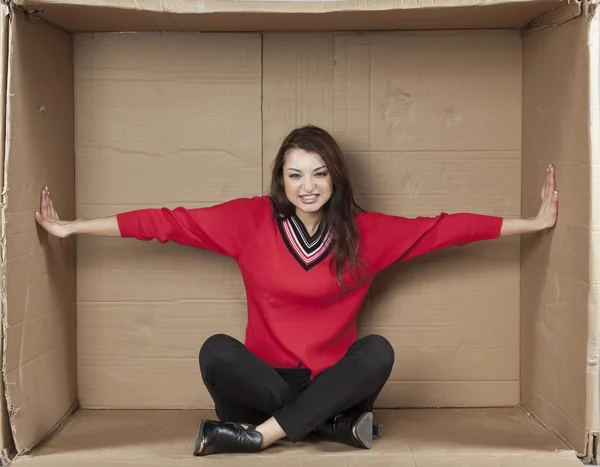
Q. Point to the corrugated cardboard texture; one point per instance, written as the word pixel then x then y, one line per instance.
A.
pixel 6 439
pixel 558 373
pixel 416 124
pixel 145 309
pixel 298 73
pixel 40 270
pixel 593 389
pixel 412 438
pixel 226 15
pixel 162 119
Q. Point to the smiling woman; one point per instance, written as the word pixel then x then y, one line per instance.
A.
pixel 308 187
pixel 301 368
pixel 311 181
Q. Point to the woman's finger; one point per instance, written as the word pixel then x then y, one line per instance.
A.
pixel 551 181
pixel 544 193
pixel 44 203
pixel 51 206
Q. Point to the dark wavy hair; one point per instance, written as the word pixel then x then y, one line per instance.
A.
pixel 339 211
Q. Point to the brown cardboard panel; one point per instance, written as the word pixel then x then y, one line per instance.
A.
pixel 555 307
pixel 6 437
pixel 119 340
pixel 40 271
pixel 497 437
pixel 593 353
pixel 488 266
pixel 115 269
pixel 130 270
pixel 114 387
pixel 145 355
pixel 432 205
pixel 193 139
pixel 297 87
pixel 451 316
pixel 544 410
pixel 417 148
pixel 324 461
pixel 218 15
pixel 498 462
pixel 192 118
pixel 450 354
pixel 418 92
pixel 419 394
pixel 162 120
pixel 423 173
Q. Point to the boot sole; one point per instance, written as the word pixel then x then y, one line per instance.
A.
pixel 363 430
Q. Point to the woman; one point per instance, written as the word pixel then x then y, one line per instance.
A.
pixel 307 254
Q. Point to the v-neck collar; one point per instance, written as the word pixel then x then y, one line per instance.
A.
pixel 306 249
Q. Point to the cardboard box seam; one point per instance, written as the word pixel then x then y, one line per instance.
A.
pixel 32 15
pixel 555 18
pixel 580 455
pixel 67 418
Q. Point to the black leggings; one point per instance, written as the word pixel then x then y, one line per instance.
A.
pixel 247 390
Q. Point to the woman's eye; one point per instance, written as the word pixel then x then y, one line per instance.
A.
pixel 294 175
pixel 322 174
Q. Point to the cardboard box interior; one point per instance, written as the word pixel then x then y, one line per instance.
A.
pixel 461 113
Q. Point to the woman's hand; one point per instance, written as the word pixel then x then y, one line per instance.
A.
pixel 48 218
pixel 546 217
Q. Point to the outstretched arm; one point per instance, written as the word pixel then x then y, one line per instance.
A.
pixel 388 239
pixel 546 217
pixel 49 220
pixel 224 228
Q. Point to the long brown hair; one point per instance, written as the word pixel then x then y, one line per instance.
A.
pixel 340 209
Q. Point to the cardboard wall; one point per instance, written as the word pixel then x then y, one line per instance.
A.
pixel 559 315
pixel 416 121
pixel 162 119
pixel 6 439
pixel 39 270
pixel 435 128
pixel 299 15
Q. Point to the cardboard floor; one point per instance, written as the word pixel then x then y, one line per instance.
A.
pixel 412 438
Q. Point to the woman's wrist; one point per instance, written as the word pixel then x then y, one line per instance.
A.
pixel 521 226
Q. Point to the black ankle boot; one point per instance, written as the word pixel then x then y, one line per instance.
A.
pixel 225 437
pixel 352 429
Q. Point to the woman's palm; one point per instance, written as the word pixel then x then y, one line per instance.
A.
pixel 48 218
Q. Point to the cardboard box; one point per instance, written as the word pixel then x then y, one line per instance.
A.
pixel 454 105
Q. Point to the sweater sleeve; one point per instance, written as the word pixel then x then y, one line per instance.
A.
pixel 388 239
pixel 223 228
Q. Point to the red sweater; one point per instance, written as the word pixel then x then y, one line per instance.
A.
pixel 298 317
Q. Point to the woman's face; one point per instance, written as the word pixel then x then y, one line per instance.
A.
pixel 307 181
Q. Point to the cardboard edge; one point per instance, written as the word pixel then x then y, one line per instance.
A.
pixel 591 450
pixel 61 13
pixel 590 10
pixel 555 18
pixel 265 6
pixel 537 407
pixel 8 446
pixel 7 14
